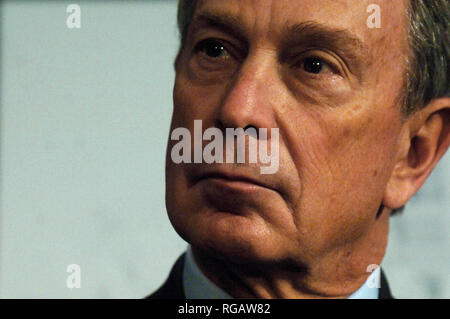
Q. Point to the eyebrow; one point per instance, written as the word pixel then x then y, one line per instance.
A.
pixel 306 34
pixel 224 22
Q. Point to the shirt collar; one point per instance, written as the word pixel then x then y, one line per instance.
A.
pixel 197 286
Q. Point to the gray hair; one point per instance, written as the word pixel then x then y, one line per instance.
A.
pixel 428 71
pixel 427 75
pixel 185 14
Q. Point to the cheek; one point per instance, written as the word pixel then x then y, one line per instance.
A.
pixel 194 101
pixel 344 164
pixel 363 148
pixel 351 150
pixel 183 104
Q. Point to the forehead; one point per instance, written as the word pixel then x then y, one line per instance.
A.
pixel 270 19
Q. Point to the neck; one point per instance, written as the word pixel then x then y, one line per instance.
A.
pixel 337 274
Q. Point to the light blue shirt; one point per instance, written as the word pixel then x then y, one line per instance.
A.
pixel 197 286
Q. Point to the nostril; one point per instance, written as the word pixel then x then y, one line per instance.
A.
pixel 251 131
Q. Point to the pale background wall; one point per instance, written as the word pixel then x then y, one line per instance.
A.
pixel 84 120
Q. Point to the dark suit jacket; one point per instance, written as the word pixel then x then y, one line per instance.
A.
pixel 173 287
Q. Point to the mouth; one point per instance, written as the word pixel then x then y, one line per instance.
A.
pixel 241 181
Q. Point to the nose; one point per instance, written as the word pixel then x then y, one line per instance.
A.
pixel 250 100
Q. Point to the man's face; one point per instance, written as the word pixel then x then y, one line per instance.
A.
pixel 330 84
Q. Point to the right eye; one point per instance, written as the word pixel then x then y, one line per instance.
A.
pixel 213 49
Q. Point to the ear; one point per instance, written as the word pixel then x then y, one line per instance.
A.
pixel 424 140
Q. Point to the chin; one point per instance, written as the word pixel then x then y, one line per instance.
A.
pixel 230 236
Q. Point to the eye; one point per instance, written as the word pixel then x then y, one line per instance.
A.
pixel 213 49
pixel 314 65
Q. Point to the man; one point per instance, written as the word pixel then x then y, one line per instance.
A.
pixel 363 115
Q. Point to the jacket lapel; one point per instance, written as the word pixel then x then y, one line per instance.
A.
pixel 385 291
pixel 173 287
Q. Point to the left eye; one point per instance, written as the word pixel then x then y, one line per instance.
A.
pixel 314 65
pixel 212 48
